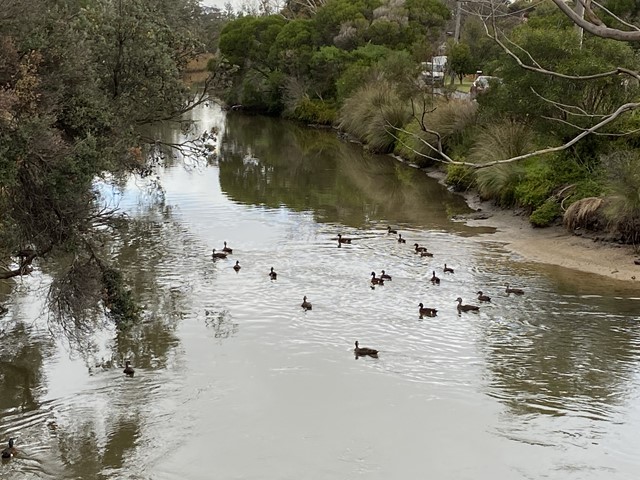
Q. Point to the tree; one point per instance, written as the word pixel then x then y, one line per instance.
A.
pixel 460 61
pixel 80 80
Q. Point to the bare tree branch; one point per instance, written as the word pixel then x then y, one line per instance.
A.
pixel 598 30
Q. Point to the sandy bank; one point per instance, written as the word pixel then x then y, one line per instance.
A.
pixel 554 245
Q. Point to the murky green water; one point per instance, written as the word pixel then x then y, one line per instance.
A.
pixel 235 381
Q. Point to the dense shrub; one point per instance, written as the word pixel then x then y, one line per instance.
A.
pixel 459 177
pixel 546 214
pixel 314 111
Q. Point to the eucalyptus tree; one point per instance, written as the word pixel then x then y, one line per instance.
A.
pixel 80 80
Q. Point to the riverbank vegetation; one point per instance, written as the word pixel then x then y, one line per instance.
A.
pixel 570 95
pixel 80 84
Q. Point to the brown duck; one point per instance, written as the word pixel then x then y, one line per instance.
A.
pixel 389 230
pixel 466 308
pixel 364 351
pixel 237 266
pixel 400 239
pixel 215 254
pixel 427 312
pixel 516 291
pixel 419 249
pixel 227 249
pixel 305 305
pixel 343 240
pixel 375 280
pixel 482 297
pixel 272 274
pixel 385 276
pixel 10 451
pixel 435 280
pixel 128 369
pixel 447 269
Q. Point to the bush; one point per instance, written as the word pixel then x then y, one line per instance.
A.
pixel 459 177
pixel 546 214
pixel 314 111
pixel 372 113
pixel 499 182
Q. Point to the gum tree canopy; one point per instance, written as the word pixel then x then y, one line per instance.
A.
pixel 78 80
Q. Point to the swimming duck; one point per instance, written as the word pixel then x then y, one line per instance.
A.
pixel 343 240
pixel 435 280
pixel 447 269
pixel 483 298
pixel 227 249
pixel 517 291
pixel 215 254
pixel 419 248
pixel 128 370
pixel 400 239
pixel 273 274
pixel 391 231
pixel 362 351
pixel 384 276
pixel 237 266
pixel 426 254
pixel 428 312
pixel 375 280
pixel 466 308
pixel 305 305
pixel 10 451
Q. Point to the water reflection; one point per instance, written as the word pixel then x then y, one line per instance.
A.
pixel 277 163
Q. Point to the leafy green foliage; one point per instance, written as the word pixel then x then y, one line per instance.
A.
pixel 546 214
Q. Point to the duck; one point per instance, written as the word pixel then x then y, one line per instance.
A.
pixel 305 305
pixel 362 351
pixel 517 291
pixel 343 240
pixel 128 369
pixel 400 239
pixel 237 266
pixel 10 451
pixel 215 254
pixel 435 280
pixel 384 276
pixel 447 269
pixel 483 298
pixel 427 312
pixel 273 274
pixel 419 248
pixel 389 230
pixel 466 308
pixel 227 249
pixel 426 254
pixel 375 280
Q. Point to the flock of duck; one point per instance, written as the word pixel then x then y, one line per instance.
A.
pixel 422 310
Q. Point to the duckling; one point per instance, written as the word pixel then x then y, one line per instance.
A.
pixel 128 369
pixel 343 240
pixel 400 239
pixel 273 274
pixel 447 269
pixel 517 291
pixel 305 305
pixel 483 298
pixel 391 231
pixel 435 280
pixel 237 266
pixel 466 308
pixel 429 312
pixel 363 351
pixel 227 249
pixel 215 254
pixel 10 451
pixel 375 280
pixel 384 276
pixel 426 254
pixel 419 248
